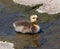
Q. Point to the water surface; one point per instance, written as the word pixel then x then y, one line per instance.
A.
pixel 10 12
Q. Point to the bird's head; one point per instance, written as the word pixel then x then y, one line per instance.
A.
pixel 33 18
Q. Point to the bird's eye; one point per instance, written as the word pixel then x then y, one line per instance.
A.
pixel 33 17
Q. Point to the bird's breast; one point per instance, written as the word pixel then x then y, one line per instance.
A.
pixel 37 28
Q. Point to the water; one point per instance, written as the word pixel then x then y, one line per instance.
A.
pixel 50 39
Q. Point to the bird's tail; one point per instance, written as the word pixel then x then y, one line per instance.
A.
pixel 14 25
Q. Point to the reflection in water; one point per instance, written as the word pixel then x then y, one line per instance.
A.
pixel 23 40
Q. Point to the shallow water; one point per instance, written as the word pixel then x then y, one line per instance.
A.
pixel 50 39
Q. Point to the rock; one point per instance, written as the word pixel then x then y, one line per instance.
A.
pixel 6 45
pixel 49 6
pixel 29 2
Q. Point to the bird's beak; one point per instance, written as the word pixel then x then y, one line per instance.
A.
pixel 37 18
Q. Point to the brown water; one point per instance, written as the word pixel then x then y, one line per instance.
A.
pixel 22 40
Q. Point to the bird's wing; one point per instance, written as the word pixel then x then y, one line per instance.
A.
pixel 25 25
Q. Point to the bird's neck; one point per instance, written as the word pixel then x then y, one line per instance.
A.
pixel 34 24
